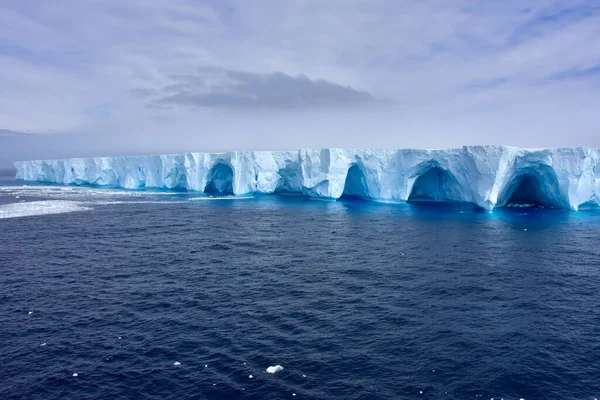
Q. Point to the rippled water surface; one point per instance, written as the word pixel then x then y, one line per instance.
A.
pixel 355 300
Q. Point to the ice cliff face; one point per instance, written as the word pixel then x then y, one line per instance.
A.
pixel 486 176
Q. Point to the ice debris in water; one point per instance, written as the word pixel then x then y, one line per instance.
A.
pixel 30 312
pixel 75 374
pixel 250 376
pixel 176 363
pixel 274 369
pixel 205 365
pixel 293 394
pixel 43 344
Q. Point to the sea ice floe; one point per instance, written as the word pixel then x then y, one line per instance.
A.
pixel 250 376
pixel 274 368
pixel 42 207
pixel 176 363
pixel 75 374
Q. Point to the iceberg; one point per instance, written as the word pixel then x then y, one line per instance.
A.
pixel 485 176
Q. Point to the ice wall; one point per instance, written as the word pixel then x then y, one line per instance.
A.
pixel 486 176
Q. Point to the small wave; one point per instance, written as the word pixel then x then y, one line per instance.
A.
pixel 202 198
pixel 43 207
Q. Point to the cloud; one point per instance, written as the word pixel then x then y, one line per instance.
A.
pixel 521 72
pixel 218 87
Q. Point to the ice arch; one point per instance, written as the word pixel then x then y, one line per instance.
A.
pixel 356 185
pixel 534 186
pixel 219 180
pixel 435 185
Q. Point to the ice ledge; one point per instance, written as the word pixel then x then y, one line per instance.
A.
pixel 486 176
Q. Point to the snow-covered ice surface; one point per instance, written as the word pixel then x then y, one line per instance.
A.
pixel 486 176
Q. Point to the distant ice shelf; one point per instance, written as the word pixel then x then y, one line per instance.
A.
pixel 486 176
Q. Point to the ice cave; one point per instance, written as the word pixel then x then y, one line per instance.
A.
pixel 220 180
pixel 355 186
pixel 533 187
pixel 435 185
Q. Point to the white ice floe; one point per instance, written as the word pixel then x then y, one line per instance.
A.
pixel 43 207
pixel 75 374
pixel 274 369
pixel 43 344
pixel 250 376
pixel 177 363
pixel 30 312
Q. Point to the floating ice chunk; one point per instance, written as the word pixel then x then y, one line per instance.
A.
pixel 205 365
pixel 293 394
pixel 119 337
pixel 420 392
pixel 525 231
pixel 43 344
pixel 176 363
pixel 304 376
pixel 274 369
pixel 250 376
pixel 30 312
pixel 75 374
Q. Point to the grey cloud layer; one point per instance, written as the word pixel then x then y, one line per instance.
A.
pixel 217 87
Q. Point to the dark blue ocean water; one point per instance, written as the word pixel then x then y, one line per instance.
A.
pixel 355 300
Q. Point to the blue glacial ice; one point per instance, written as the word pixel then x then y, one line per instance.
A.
pixel 486 176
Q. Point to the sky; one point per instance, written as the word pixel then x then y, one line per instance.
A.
pixel 113 77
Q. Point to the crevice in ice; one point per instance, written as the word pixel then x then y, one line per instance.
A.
pixel 355 186
pixel 532 187
pixel 290 182
pixel 220 180
pixel 435 185
pixel 176 179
